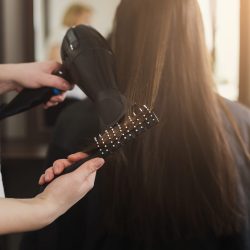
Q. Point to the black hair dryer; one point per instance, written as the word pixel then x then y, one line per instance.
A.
pixel 87 62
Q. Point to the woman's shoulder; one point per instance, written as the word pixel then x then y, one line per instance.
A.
pixel 241 118
pixel 239 111
pixel 241 115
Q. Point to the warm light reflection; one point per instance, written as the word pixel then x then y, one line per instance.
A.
pixel 227 39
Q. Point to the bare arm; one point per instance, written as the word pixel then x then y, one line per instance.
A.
pixel 18 215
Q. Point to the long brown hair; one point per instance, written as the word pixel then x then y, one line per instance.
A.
pixel 180 179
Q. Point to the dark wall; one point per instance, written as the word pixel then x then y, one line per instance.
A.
pixel 1 31
pixel 28 31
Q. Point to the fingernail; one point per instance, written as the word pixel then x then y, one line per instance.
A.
pixel 46 178
pixel 66 86
pixel 98 162
pixel 69 156
pixel 56 169
pixel 59 98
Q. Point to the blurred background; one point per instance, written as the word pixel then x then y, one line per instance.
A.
pixel 32 30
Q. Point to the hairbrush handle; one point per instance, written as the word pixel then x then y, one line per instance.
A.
pixel 73 167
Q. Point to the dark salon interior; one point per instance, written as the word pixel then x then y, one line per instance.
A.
pixel 186 180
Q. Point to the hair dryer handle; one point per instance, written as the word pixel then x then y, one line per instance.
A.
pixel 29 98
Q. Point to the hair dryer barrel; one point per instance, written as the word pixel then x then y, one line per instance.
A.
pixel 90 63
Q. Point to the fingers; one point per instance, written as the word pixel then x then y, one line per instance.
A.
pixel 55 82
pixel 18 88
pixel 88 168
pixel 47 176
pixel 77 156
pixel 55 100
pixel 53 66
pixel 56 169
pixel 66 190
pixel 42 179
pixel 39 74
pixel 50 104
pixel 59 166
pixel 58 98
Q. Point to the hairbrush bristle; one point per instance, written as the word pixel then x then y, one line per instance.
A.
pixel 141 119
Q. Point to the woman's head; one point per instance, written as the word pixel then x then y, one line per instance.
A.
pixel 77 14
pixel 152 37
pixel 180 177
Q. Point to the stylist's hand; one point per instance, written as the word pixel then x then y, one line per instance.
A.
pixel 37 75
pixel 66 190
pixel 59 166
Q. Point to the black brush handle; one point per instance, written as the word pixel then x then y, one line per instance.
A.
pixel 74 166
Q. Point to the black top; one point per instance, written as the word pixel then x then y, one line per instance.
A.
pixel 81 229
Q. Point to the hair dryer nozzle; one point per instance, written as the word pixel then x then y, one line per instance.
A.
pixel 111 107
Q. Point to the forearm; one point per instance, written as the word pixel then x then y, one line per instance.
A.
pixel 18 215
pixel 7 78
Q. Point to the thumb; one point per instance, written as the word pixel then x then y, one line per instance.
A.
pixel 89 167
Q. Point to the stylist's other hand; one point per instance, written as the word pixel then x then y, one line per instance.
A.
pixel 39 74
pixel 66 190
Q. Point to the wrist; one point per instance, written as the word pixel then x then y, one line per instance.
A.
pixel 7 78
pixel 7 73
pixel 47 210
